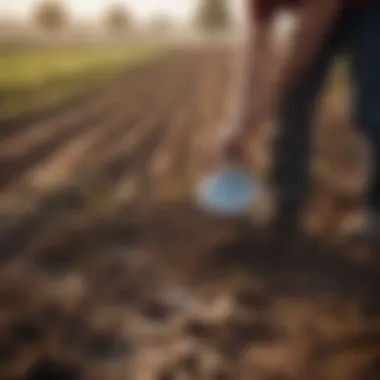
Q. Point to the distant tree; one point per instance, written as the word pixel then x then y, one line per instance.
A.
pixel 160 24
pixel 213 15
pixel 51 15
pixel 118 19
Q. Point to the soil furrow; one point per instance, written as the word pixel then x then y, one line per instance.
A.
pixel 13 165
pixel 10 129
pixel 60 167
pixel 44 129
pixel 104 173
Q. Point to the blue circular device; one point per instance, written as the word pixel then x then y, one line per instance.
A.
pixel 228 192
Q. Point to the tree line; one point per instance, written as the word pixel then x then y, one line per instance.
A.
pixel 209 16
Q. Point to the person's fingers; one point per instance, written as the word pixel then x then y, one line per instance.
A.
pixel 231 149
pixel 234 152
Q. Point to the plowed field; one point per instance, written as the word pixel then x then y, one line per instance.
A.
pixel 110 272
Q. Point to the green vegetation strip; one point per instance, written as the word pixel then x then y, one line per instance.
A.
pixel 31 79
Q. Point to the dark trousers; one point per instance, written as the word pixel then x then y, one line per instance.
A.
pixel 357 34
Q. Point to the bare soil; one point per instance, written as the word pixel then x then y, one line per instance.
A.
pixel 110 271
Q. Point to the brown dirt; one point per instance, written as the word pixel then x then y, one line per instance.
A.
pixel 109 271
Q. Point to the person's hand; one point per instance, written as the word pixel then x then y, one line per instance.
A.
pixel 234 144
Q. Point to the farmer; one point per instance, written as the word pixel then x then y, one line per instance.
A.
pixel 324 29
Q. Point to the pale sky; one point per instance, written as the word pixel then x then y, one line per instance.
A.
pixel 92 8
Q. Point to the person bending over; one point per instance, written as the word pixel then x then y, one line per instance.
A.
pixel 323 30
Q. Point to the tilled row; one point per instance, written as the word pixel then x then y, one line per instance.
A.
pixel 98 288
pixel 112 161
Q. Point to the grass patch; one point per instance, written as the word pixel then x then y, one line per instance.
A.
pixel 23 69
pixel 36 78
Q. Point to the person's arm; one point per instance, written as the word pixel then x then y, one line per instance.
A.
pixel 253 82
pixel 255 68
pixel 259 95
